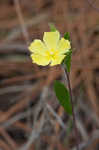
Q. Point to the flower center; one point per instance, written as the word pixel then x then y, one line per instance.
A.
pixel 51 54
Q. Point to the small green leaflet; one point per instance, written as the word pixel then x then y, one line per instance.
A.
pixel 67 36
pixel 52 27
pixel 63 96
pixel 67 60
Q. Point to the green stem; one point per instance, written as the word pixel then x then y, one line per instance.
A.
pixel 71 98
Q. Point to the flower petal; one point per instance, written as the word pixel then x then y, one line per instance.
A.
pixel 51 39
pixel 38 47
pixel 40 60
pixel 58 60
pixel 63 46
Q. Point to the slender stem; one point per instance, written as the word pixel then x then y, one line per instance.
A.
pixel 71 98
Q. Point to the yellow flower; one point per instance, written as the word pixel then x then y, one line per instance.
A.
pixel 51 51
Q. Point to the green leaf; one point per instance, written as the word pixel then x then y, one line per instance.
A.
pixel 67 60
pixel 52 27
pixel 63 96
pixel 67 36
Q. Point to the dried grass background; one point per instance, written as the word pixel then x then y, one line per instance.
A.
pixel 30 115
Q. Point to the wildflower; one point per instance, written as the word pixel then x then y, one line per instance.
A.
pixel 51 51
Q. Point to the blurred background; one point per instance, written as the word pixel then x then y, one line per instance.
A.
pixel 30 115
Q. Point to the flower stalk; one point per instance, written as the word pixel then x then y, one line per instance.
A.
pixel 66 74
